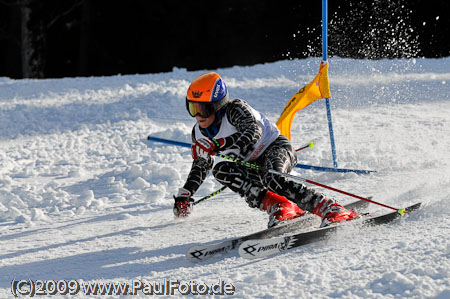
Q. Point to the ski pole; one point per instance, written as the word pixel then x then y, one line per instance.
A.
pixel 368 199
pixel 238 161
pixel 254 166
pixel 310 144
pixel 209 196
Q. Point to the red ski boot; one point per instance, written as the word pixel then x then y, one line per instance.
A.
pixel 280 208
pixel 332 212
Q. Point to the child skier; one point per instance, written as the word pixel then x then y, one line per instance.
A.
pixel 233 128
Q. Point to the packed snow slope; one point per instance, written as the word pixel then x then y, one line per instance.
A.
pixel 85 197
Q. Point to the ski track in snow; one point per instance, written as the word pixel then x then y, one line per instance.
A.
pixel 84 196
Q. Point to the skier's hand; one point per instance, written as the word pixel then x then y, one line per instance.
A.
pixel 183 203
pixel 205 147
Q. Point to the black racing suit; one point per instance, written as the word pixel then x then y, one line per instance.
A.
pixel 249 183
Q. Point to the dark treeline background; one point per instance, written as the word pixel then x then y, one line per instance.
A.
pixel 66 38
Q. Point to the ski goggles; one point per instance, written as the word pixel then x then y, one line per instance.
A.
pixel 204 109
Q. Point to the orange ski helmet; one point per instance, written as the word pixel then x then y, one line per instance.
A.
pixel 206 95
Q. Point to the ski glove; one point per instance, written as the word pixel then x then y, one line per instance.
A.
pixel 183 203
pixel 205 147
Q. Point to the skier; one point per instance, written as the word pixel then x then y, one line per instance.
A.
pixel 233 128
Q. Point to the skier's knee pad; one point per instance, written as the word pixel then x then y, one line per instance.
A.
pixel 237 180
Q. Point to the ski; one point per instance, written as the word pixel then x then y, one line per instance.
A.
pixel 253 249
pixel 202 252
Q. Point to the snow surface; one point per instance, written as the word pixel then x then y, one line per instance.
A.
pixel 84 196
